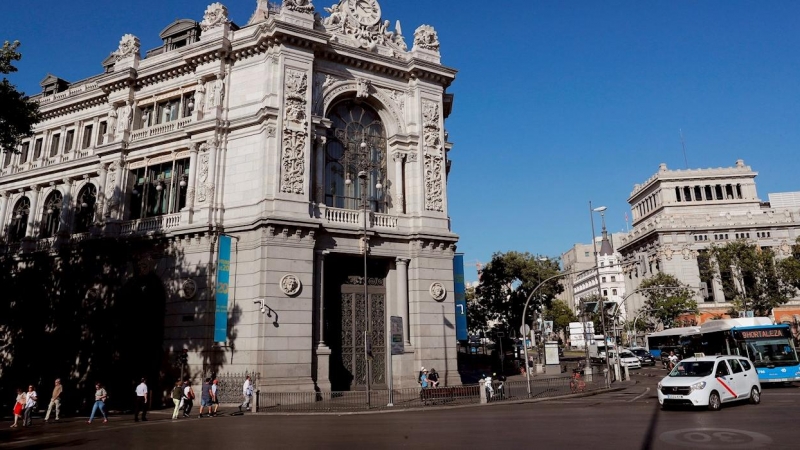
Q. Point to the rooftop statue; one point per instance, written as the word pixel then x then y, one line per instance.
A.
pixel 216 15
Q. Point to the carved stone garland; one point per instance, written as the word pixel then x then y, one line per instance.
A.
pixel 434 157
pixel 128 46
pixel 111 185
pixel 202 195
pixel 301 6
pixel 295 133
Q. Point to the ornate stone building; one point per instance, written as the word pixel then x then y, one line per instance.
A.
pixel 678 214
pixel 289 134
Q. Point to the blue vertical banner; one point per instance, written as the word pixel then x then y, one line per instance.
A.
pixel 461 297
pixel 223 283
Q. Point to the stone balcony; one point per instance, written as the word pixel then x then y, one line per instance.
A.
pixel 150 225
pixel 160 129
pixel 354 218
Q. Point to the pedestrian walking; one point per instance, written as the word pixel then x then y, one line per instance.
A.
pixel 19 405
pixel 55 401
pixel 205 398
pixel 433 378
pixel 247 393
pixel 141 401
pixel 188 398
pixel 100 397
pixel 215 396
pixel 177 395
pixel 30 404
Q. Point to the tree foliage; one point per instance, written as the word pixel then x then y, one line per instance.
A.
pixel 789 268
pixel 18 113
pixel 561 314
pixel 754 277
pixel 477 316
pixel 507 281
pixel 667 298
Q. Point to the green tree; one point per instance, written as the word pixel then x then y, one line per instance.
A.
pixel 561 315
pixel 789 268
pixel 18 113
pixel 667 298
pixel 753 276
pixel 477 316
pixel 506 282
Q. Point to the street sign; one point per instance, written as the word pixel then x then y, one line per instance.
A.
pixel 398 347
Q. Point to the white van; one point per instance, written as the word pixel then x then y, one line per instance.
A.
pixel 710 381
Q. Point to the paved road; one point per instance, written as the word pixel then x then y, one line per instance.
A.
pixel 628 419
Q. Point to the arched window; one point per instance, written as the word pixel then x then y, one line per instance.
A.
pixel 19 220
pixel 51 214
pixel 84 208
pixel 355 158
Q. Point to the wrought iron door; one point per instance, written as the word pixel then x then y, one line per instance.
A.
pixel 358 317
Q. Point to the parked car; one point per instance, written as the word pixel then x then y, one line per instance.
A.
pixel 626 359
pixel 710 381
pixel 645 358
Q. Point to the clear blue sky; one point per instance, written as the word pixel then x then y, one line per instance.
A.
pixel 557 103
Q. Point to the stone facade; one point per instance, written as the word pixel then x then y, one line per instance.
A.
pixel 677 214
pixel 260 132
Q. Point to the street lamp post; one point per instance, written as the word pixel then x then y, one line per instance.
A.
pixel 360 156
pixel 601 210
pixel 525 312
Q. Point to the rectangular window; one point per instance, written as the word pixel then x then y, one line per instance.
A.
pixel 23 157
pixel 613 292
pixel 54 145
pixel 718 191
pixel 87 137
pixel 698 193
pixel 37 149
pixel 168 111
pixel 7 158
pixel 586 254
pixel 603 279
pixel 613 278
pixel 147 118
pixel 687 193
pixel 709 195
pixel 678 194
pixel 102 130
pixel 605 292
pixel 157 190
pixel 69 140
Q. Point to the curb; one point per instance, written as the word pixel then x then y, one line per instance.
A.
pixel 441 408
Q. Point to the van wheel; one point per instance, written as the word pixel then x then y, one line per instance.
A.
pixel 755 396
pixel 714 402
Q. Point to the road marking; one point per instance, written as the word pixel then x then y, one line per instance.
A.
pixel 639 396
pixel 727 438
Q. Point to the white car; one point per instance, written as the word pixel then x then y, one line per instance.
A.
pixel 710 381
pixel 626 359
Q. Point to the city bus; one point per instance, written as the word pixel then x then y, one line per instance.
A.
pixel 668 339
pixel 770 347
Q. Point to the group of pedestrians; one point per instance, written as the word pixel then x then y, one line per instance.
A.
pixel 182 396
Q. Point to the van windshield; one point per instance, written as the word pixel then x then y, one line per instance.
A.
pixel 626 355
pixel 693 369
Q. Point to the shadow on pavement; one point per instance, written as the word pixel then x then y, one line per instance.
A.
pixel 650 436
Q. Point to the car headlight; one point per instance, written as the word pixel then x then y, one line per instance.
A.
pixel 698 386
pixel 659 385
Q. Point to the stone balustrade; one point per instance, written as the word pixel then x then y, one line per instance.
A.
pixel 353 217
pixel 151 224
pixel 158 130
pixel 73 90
pixel 383 220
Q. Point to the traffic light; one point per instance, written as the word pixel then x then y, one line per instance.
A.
pixel 184 357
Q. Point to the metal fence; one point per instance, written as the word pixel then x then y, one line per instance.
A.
pixel 229 387
pixel 349 401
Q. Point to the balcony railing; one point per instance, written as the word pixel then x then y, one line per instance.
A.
pixel 160 129
pixel 353 217
pixel 151 224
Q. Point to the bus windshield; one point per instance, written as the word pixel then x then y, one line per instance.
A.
pixel 769 351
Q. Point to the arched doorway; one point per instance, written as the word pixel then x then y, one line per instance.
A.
pixel 19 220
pixel 51 214
pixel 355 158
pixel 84 208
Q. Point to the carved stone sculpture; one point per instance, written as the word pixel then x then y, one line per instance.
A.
pixel 425 37
pixel 290 285
pixel 112 121
pixel 124 118
pixel 295 132
pixel 360 22
pixel 216 15
pixel 216 93
pixel 199 96
pixel 301 6
pixel 434 157
pixel 438 291
pixel 188 289
pixel 128 46
pixel 362 87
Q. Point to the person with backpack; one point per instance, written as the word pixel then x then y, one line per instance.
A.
pixel 177 395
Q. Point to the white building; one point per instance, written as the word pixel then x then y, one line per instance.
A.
pixel 678 214
pixel 271 132
pixel 606 281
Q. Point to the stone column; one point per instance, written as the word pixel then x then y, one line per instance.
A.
pixel 320 170
pixel 63 220
pixel 102 201
pixel 190 189
pixel 34 212
pixel 399 182
pixel 323 352
pixel 402 297
pixel 62 143
pixel 3 210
